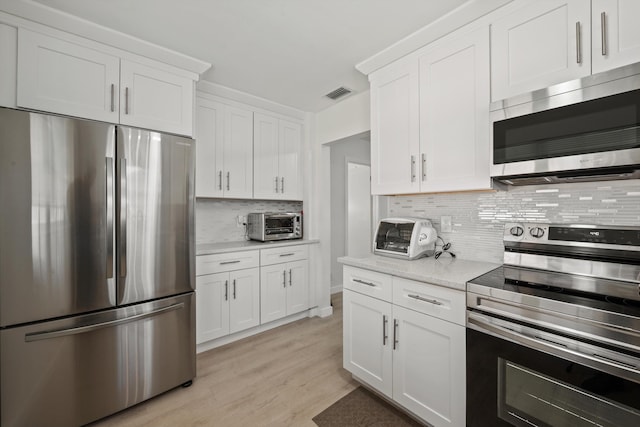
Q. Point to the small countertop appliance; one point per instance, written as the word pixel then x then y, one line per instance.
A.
pixel 406 238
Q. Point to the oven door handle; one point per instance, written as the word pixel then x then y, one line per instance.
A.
pixel 563 347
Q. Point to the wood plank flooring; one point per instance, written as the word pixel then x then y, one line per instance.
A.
pixel 282 377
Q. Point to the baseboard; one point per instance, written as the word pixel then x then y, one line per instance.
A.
pixel 325 311
pixel 336 289
pixel 219 342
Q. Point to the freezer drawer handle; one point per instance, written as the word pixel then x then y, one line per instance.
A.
pixel 37 336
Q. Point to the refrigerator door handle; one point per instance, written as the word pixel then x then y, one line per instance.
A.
pixel 37 336
pixel 123 218
pixel 109 167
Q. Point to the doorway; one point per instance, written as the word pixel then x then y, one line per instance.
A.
pixel 358 215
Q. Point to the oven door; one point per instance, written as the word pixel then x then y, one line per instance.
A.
pixel 521 376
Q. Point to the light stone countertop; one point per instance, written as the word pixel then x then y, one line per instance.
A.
pixel 444 271
pixel 245 245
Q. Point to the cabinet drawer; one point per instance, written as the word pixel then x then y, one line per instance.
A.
pixel 283 254
pixel 367 282
pixel 218 263
pixel 437 301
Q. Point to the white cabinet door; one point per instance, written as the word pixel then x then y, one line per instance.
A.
pixel 395 137
pixel 209 156
pixel 273 292
pixel 368 340
pixel 266 183
pixel 290 144
pixel 298 286
pixel 539 45
pixel 238 153
pixel 155 99
pixel 429 367
pixel 620 43
pixel 454 115
pixel 244 299
pixel 212 306
pixel 65 78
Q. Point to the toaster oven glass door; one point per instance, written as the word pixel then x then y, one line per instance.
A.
pixel 279 225
pixel 394 237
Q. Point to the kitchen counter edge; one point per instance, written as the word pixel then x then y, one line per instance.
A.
pixel 449 272
pixel 247 245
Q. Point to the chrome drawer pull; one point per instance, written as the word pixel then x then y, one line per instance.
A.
pixel 419 298
pixel 289 254
pixel 230 262
pixel 364 283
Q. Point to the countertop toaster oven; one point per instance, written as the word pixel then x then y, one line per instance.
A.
pixel 406 238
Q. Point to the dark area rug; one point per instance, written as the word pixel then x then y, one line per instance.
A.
pixel 363 408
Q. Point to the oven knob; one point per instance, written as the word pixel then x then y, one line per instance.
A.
pixel 516 231
pixel 536 232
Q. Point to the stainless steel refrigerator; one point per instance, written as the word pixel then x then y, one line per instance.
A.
pixel 96 267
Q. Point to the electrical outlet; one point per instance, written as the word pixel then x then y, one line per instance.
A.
pixel 242 220
pixel 445 224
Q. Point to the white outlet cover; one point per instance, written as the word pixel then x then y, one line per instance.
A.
pixel 445 224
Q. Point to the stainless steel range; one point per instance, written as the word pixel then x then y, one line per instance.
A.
pixel 553 336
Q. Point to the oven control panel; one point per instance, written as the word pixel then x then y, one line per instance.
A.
pixel 525 232
pixel 627 238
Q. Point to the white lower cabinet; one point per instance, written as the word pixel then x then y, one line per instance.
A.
pixel 415 359
pixel 227 298
pixel 284 290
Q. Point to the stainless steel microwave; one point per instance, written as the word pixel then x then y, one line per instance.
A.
pixel 270 226
pixel 583 130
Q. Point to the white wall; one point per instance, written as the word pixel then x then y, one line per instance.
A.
pixel 356 149
pixel 345 119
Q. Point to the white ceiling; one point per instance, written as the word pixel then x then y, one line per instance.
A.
pixel 289 51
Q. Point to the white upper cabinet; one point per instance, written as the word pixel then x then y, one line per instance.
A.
pixel 553 41
pixel 81 80
pixel 395 135
pixel 454 115
pixel 430 119
pixel 65 78
pixel 544 43
pixel 619 43
pixel 277 148
pixel 224 150
pixel 154 99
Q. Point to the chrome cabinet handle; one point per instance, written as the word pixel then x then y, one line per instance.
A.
pixel 235 261
pixel 123 218
pixel 126 100
pixel 37 336
pixel 109 167
pixel 282 184
pixel 424 167
pixel 603 25
pixel 220 180
pixel 276 184
pixel 287 254
pixel 228 181
pixel 395 334
pixel 430 301
pixel 290 280
pixel 365 283
pixel 384 329
pixel 413 168
pixel 284 278
pixel 113 97
pixel 578 43
pixel 234 288
pixel 226 290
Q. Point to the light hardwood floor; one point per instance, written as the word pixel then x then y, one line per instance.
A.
pixel 282 377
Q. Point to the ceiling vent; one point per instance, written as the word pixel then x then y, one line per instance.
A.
pixel 338 93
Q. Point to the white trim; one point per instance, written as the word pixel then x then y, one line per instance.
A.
pixel 325 311
pixel 206 89
pixel 457 18
pixel 209 345
pixel 41 18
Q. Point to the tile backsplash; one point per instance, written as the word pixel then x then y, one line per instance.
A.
pixel 478 218
pixel 216 218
